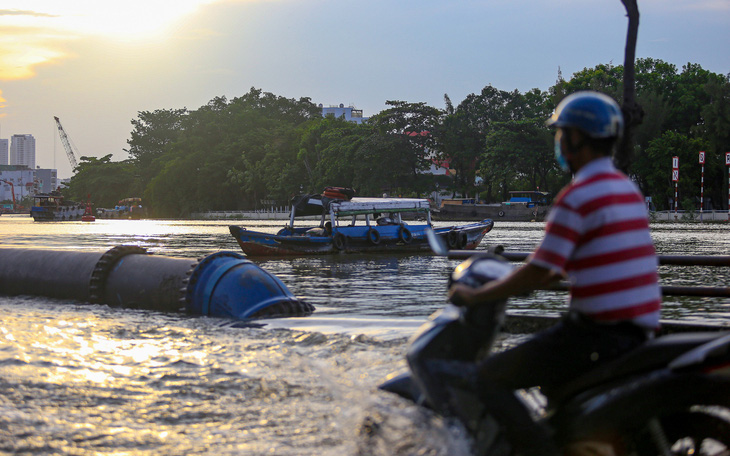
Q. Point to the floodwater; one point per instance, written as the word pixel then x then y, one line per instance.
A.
pixel 79 379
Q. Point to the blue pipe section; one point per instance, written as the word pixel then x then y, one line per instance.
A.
pixel 223 284
pixel 217 283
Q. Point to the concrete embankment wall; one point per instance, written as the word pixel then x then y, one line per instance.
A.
pixel 283 214
pixel 684 216
pixel 248 215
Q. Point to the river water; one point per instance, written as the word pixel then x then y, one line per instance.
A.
pixel 79 379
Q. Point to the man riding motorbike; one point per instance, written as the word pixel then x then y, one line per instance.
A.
pixel 597 236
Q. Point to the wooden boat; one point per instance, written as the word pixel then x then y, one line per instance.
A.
pixel 358 225
pixel 52 207
pixel 523 206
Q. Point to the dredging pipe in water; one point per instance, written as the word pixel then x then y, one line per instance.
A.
pixel 223 284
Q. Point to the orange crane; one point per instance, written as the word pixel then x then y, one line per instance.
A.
pixel 12 190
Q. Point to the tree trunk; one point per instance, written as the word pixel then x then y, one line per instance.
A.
pixel 633 113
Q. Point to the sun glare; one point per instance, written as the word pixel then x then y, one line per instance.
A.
pixel 35 32
pixel 131 19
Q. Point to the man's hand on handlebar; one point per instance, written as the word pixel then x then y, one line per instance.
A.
pixel 520 282
pixel 462 295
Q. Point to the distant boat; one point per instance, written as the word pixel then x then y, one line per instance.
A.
pixel 51 207
pixel 357 225
pixel 127 208
pixel 522 206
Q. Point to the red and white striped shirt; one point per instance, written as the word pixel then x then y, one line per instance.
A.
pixel 598 233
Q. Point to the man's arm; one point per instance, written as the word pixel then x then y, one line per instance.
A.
pixel 521 281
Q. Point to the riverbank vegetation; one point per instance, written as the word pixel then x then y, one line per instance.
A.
pixel 260 149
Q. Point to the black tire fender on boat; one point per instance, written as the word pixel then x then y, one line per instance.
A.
pixel 405 236
pixel 452 239
pixel 463 239
pixel 340 241
pixel 501 213
pixel 373 236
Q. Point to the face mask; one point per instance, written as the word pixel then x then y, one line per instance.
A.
pixel 560 158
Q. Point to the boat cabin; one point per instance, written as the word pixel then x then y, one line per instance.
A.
pixel 48 200
pixel 373 211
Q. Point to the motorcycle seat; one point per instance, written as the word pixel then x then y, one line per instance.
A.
pixel 654 354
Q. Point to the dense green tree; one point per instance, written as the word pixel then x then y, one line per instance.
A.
pixel 605 78
pixel 328 150
pixel 658 175
pixel 405 144
pixel 466 130
pixel 231 155
pixel 692 103
pixel 459 143
pixel 520 153
pixel 151 134
pixel 236 154
pixel 103 181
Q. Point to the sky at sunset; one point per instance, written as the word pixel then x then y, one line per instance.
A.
pixel 96 63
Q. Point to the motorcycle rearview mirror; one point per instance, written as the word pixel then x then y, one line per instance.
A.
pixel 437 244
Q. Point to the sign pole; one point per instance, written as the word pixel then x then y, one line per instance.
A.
pixel 727 162
pixel 675 200
pixel 675 178
pixel 702 183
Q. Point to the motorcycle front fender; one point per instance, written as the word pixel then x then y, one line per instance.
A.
pixel 403 385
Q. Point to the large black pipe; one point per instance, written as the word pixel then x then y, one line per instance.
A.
pixel 223 284
pixel 55 274
pixel 669 260
pixel 667 290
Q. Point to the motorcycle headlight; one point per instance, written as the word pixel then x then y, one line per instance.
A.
pixel 476 271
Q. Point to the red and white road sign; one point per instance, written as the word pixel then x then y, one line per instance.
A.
pixel 702 158
pixel 675 175
pixel 675 162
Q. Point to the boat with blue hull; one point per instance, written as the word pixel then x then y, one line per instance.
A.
pixel 51 207
pixel 358 225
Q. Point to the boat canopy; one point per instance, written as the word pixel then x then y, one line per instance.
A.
pixel 358 206
pixel 305 205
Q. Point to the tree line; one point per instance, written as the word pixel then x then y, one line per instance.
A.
pixel 237 154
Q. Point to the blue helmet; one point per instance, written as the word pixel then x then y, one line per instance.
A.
pixel 594 113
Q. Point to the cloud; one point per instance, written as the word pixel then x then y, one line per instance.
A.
pixel 2 105
pixel 7 12
pixel 21 50
pixel 38 31
pixel 28 39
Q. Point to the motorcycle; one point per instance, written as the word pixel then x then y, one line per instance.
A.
pixel 670 396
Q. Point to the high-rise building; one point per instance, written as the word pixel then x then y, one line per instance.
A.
pixel 45 180
pixel 3 151
pixel 22 150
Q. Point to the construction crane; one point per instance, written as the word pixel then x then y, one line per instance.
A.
pixel 66 144
pixel 12 191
